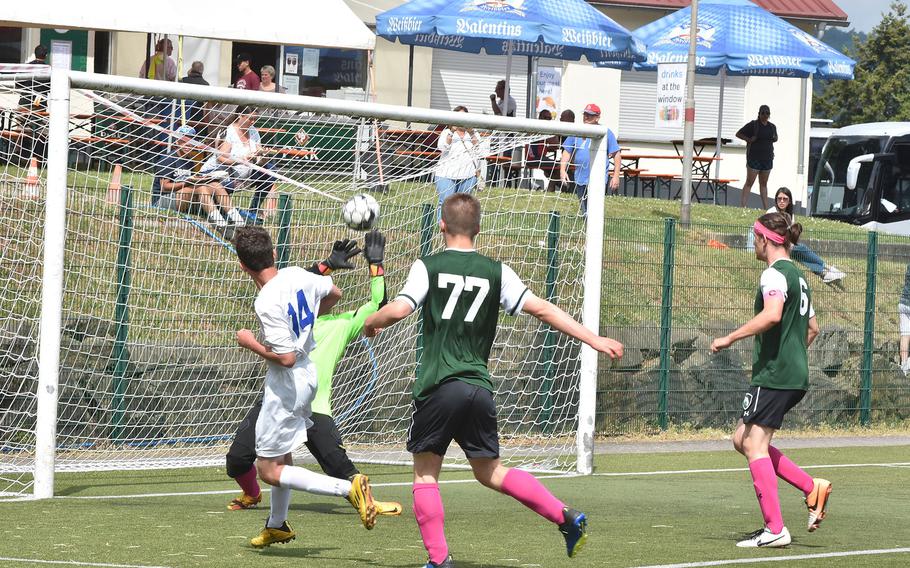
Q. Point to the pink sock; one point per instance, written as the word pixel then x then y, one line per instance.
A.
pixel 790 472
pixel 431 520
pixel 248 482
pixel 765 482
pixel 524 487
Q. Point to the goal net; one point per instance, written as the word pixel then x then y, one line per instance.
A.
pixel 150 374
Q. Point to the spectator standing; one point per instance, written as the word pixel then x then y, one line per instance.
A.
pixel 457 169
pixel 500 107
pixel 194 75
pixel 577 151
pixel 161 65
pixel 248 78
pixel 760 136
pixel 33 99
pixel 239 149
pixel 267 83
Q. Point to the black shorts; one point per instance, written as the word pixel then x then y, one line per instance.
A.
pixel 456 411
pixel 767 407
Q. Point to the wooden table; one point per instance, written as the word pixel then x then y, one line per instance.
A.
pixel 701 166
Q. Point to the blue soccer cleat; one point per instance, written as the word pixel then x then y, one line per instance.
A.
pixel 574 530
pixel 447 563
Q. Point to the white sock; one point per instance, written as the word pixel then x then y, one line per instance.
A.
pixel 278 507
pixel 215 218
pixel 302 479
pixel 235 216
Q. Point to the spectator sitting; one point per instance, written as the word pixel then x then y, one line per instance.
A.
pixel 160 66
pixel 194 75
pixel 241 146
pixel 496 100
pixel 248 79
pixel 538 151
pixel 268 83
pixel 176 187
pixel 783 203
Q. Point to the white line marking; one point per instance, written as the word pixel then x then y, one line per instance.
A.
pixel 76 563
pixel 471 480
pixel 781 558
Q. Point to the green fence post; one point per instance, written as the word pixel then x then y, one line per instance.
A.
pixel 283 247
pixel 549 340
pixel 666 322
pixel 865 393
pixel 121 312
pixel 426 240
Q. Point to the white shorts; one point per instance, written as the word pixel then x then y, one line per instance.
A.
pixel 903 314
pixel 286 411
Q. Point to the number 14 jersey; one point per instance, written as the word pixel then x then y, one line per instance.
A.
pixel 461 292
pixel 780 359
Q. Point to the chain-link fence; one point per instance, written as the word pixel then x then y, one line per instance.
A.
pixel 667 292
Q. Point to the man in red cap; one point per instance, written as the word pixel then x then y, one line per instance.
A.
pixel 578 152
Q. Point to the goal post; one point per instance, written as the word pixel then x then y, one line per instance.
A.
pixel 137 365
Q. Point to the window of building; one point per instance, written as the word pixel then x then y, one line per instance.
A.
pixel 10 45
pixel 317 70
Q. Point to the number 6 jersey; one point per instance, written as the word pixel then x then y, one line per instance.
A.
pixel 780 359
pixel 461 292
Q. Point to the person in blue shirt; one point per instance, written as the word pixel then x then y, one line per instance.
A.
pixel 577 151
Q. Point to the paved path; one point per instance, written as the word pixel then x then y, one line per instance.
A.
pixel 647 447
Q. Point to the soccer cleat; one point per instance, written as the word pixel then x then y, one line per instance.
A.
pixel 832 274
pixel 244 502
pixel 447 563
pixel 764 538
pixel 270 536
pixel 817 502
pixel 574 530
pixel 361 497
pixel 388 508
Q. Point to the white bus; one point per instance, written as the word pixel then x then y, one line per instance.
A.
pixel 863 177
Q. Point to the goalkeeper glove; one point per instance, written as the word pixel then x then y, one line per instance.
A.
pixel 340 257
pixel 374 251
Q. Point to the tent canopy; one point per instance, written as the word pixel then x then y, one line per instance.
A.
pixel 331 24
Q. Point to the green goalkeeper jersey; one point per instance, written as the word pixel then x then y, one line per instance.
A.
pixel 333 333
pixel 780 359
pixel 461 292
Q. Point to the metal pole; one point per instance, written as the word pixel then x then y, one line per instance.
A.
pixel 122 313
pixel 689 131
pixel 720 124
pixel 283 248
pixel 587 384
pixel 549 342
pixel 803 141
pixel 410 74
pixel 666 323
pixel 865 393
pixel 530 111
pixel 52 284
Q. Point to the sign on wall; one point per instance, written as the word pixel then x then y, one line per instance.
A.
pixel 671 95
pixel 549 88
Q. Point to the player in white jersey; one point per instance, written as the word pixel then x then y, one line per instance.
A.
pixel 287 305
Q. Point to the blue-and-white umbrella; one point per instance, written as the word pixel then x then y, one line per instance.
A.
pixel 740 38
pixel 560 29
pixel 737 37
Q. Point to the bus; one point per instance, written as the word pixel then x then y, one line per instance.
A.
pixel 863 177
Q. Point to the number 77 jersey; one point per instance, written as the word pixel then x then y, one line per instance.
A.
pixel 461 292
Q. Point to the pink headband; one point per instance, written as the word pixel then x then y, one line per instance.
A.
pixel 769 234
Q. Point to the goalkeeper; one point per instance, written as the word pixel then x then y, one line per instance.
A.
pixel 332 334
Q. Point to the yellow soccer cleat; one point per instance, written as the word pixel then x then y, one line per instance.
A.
pixel 817 503
pixel 270 536
pixel 244 502
pixel 361 497
pixel 388 508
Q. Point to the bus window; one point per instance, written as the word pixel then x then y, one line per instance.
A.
pixel 896 184
pixel 830 196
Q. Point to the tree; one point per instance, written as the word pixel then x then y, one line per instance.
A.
pixel 878 91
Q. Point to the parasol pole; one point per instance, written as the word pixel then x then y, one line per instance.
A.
pixel 689 131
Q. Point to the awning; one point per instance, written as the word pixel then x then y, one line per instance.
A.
pixel 330 24
pixel 820 10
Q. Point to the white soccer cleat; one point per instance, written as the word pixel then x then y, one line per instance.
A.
pixel 832 274
pixel 764 538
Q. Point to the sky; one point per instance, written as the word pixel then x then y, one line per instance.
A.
pixel 864 14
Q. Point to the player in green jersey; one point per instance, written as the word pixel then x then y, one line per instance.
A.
pixel 461 292
pixel 332 334
pixel 784 326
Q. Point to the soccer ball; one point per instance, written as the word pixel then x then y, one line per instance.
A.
pixel 360 212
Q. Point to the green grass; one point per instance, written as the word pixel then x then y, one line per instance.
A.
pixel 635 520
